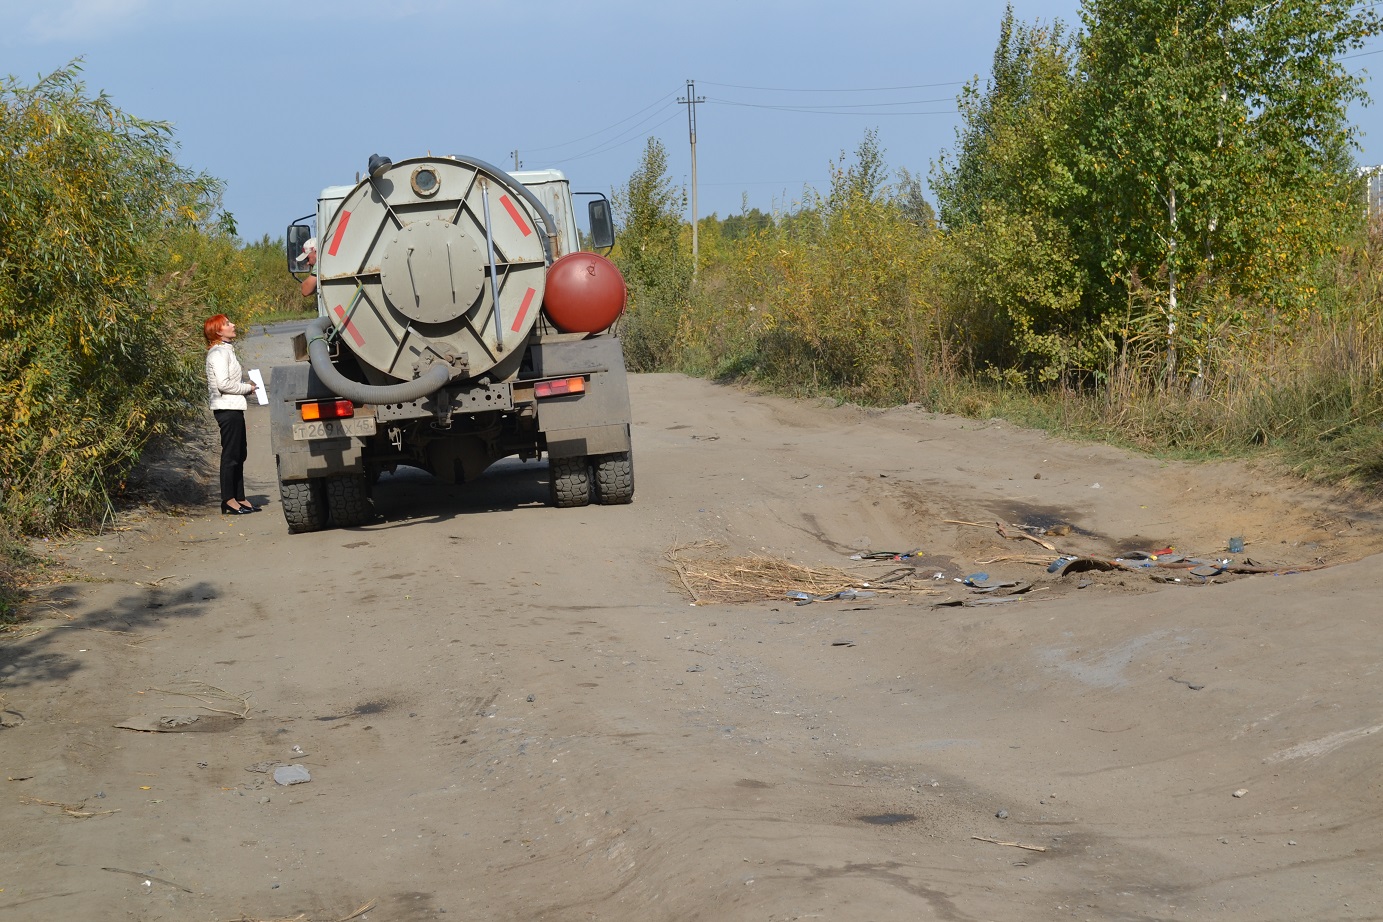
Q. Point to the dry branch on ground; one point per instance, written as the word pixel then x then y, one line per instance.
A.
pixel 77 811
pixel 303 917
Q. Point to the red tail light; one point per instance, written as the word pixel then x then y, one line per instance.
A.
pixel 327 409
pixel 559 387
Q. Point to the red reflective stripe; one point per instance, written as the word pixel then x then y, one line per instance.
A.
pixel 350 327
pixel 514 213
pixel 340 232
pixel 523 309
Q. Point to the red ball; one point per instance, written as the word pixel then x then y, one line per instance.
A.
pixel 585 293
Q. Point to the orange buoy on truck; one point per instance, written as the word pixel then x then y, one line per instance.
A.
pixel 585 293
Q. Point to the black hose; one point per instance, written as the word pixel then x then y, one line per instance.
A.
pixel 320 357
pixel 522 190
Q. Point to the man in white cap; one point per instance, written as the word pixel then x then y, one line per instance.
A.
pixel 309 256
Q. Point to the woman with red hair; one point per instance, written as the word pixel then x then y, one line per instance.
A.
pixel 226 393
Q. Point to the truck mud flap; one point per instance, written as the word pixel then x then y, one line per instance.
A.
pixel 299 459
pixel 590 440
pixel 597 421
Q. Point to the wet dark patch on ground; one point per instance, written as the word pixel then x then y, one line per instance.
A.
pixel 362 710
pixel 1043 519
pixel 888 819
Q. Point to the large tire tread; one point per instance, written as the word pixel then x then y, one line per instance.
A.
pixel 348 500
pixel 614 478
pixel 304 505
pixel 571 482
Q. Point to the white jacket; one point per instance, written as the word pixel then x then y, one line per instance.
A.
pixel 225 390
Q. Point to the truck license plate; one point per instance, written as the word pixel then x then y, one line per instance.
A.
pixel 335 428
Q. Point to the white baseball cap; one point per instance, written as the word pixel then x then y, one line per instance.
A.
pixel 310 246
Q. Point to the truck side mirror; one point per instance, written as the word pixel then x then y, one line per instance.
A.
pixel 297 235
pixel 602 225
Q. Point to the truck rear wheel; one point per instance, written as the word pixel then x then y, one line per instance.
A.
pixel 348 499
pixel 614 478
pixel 571 481
pixel 304 504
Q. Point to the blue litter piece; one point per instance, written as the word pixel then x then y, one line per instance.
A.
pixel 974 578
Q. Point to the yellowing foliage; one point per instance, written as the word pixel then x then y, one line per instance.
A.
pixel 98 344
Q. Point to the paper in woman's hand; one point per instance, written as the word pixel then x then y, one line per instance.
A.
pixel 258 380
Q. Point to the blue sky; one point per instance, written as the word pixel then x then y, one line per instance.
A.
pixel 280 99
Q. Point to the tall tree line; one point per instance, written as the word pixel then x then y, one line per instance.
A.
pixel 1191 158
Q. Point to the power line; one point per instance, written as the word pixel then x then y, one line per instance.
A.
pixel 615 143
pixel 812 110
pixel 875 89
pixel 633 134
pixel 661 99
pixel 637 129
pixel 770 182
pixel 854 105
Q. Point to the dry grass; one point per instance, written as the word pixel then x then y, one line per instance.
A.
pixel 710 577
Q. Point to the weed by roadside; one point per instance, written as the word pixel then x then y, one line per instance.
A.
pixel 17 563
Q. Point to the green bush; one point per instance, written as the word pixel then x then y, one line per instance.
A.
pixel 655 264
pixel 99 304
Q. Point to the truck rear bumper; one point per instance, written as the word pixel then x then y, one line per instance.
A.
pixel 594 422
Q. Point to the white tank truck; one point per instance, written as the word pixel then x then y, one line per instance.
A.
pixel 458 323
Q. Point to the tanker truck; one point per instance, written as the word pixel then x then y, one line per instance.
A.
pixel 458 323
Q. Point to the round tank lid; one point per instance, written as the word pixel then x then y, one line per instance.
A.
pixel 432 271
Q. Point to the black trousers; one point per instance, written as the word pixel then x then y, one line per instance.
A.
pixel 234 450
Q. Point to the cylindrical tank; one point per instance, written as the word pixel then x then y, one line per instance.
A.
pixel 585 293
pixel 410 262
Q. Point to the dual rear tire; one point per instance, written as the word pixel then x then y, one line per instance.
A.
pixel 308 505
pixel 344 501
pixel 348 500
pixel 614 478
pixel 570 483
pixel 605 479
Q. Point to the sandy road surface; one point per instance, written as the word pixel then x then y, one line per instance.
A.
pixel 510 711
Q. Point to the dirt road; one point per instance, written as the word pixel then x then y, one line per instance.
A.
pixel 509 711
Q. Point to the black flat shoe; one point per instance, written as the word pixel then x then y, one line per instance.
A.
pixel 232 510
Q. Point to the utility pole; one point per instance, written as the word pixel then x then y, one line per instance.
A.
pixel 690 101
pixel 518 164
